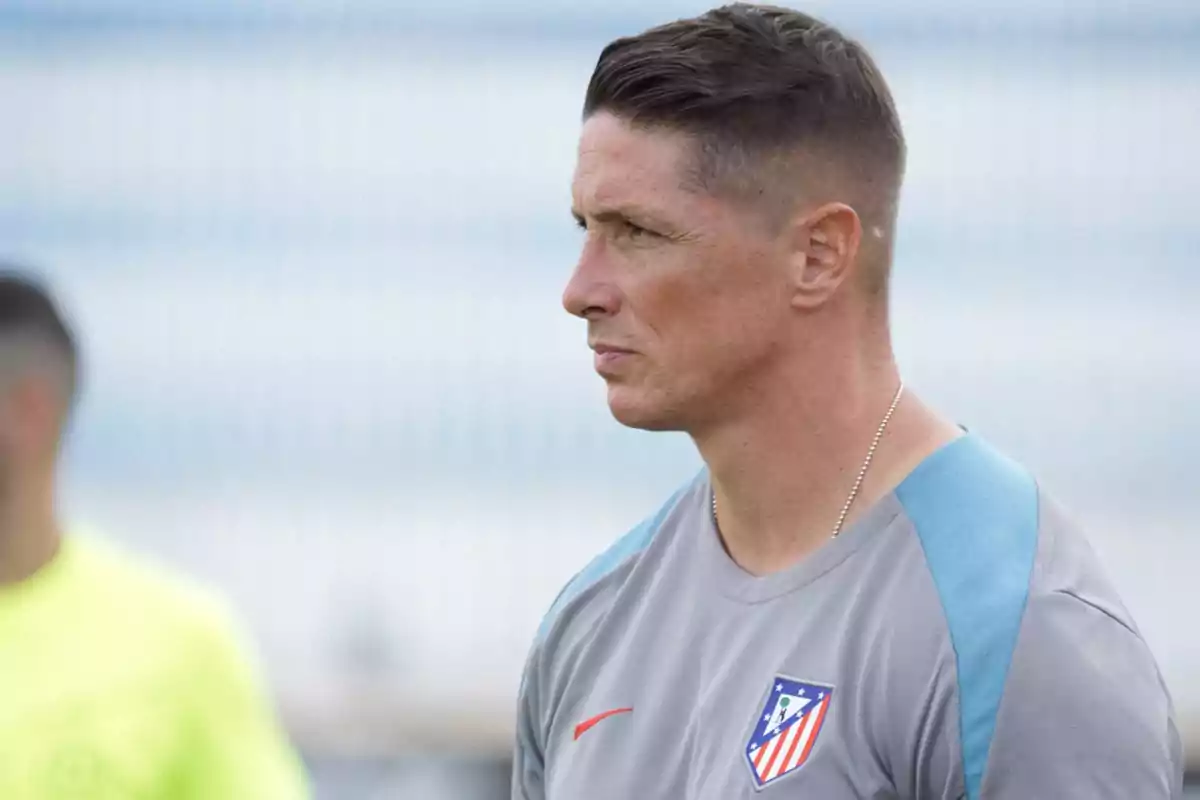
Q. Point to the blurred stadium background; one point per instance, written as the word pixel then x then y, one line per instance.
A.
pixel 315 248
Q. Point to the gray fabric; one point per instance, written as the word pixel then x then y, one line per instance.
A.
pixel 1086 713
pixel 669 626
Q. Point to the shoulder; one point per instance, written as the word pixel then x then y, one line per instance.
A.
pixel 1078 643
pixel 123 576
pixel 1024 600
pixel 185 620
pixel 589 588
pixel 998 549
pixel 976 515
pixel 973 509
pixel 1083 688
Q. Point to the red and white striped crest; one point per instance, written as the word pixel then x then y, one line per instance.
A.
pixel 787 728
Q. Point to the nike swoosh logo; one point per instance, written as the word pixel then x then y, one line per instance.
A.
pixel 588 724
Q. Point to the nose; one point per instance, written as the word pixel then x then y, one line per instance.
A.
pixel 590 292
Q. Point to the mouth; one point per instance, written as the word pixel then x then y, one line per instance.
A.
pixel 606 349
pixel 609 358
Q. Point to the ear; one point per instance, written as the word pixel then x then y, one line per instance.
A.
pixel 825 246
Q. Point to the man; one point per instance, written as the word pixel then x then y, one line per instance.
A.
pixel 117 679
pixel 856 598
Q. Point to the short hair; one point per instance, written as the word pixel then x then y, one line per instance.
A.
pixel 754 84
pixel 30 316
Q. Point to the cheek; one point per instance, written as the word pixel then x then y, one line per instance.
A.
pixel 698 336
pixel 677 313
pixel 675 289
pixel 731 327
pixel 701 306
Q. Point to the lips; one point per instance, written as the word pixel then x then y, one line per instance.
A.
pixel 607 349
pixel 609 357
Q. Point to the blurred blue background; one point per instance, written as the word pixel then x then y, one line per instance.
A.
pixel 315 251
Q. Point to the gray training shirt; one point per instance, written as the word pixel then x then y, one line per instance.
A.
pixel 957 641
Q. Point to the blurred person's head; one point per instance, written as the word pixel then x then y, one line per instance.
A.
pixel 38 376
pixel 738 178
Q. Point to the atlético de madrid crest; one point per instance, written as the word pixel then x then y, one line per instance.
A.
pixel 787 728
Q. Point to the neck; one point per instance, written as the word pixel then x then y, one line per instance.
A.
pixel 29 535
pixel 782 472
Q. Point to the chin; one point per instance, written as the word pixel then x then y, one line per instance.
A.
pixel 636 410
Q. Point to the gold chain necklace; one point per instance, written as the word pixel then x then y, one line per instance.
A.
pixel 862 473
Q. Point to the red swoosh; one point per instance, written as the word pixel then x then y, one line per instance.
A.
pixel 587 725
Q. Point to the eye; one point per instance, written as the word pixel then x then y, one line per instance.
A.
pixel 581 223
pixel 629 230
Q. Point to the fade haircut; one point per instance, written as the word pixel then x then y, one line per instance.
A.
pixel 772 98
pixel 33 332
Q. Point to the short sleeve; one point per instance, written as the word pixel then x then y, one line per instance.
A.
pixel 528 775
pixel 1085 714
pixel 236 747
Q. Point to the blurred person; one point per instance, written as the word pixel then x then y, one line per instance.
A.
pixel 856 598
pixel 118 679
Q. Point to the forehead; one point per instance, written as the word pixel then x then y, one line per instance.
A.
pixel 619 163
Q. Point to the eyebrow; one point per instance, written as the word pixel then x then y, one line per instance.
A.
pixel 630 214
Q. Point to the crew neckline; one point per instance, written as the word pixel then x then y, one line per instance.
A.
pixel 738 585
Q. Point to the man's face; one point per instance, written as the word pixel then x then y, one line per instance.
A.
pixel 686 294
pixel 30 419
